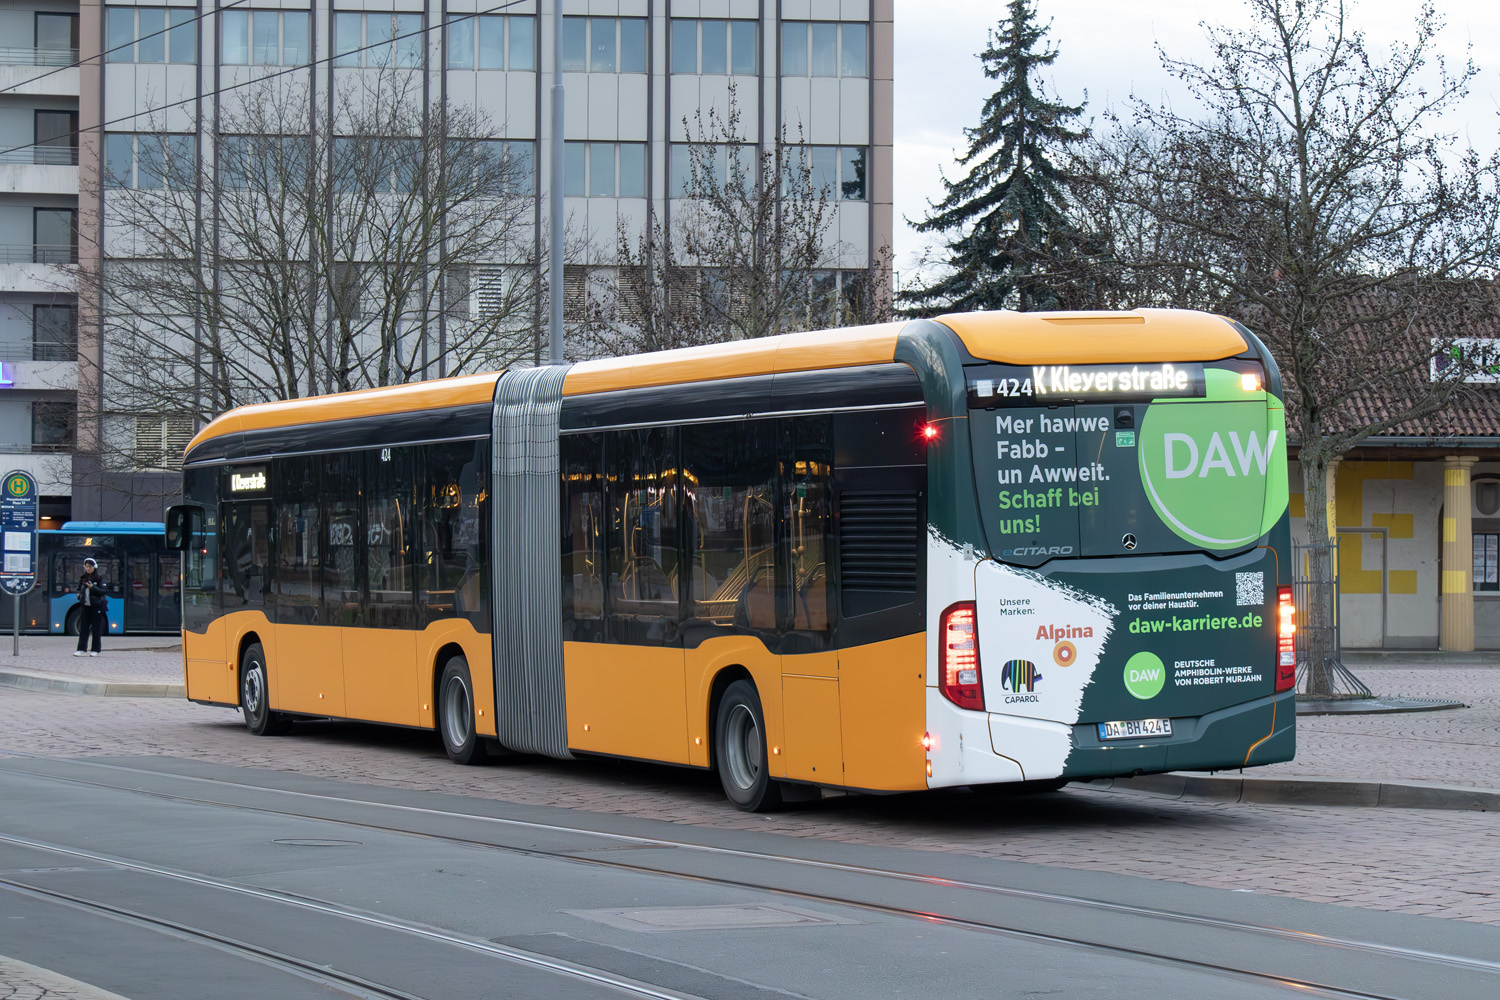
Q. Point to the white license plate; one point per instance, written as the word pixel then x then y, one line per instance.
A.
pixel 1138 729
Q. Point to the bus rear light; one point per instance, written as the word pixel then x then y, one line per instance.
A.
pixel 958 657
pixel 1286 640
pixel 926 741
pixel 929 432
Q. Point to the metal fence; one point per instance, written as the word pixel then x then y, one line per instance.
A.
pixel 11 56
pixel 1315 592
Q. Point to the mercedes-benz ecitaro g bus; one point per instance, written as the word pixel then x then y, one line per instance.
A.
pixel 988 549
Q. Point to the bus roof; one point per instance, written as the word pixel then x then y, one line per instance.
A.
pixel 111 527
pixel 1144 335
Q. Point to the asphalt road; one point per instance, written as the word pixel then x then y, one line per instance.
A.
pixel 163 878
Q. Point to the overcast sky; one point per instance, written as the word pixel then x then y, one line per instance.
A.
pixel 1108 48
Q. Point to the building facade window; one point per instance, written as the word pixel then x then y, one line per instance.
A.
pixel 263 37
pixel 604 44
pixel 54 426
pixel 511 168
pixel 377 164
pixel 700 169
pixel 492 41
pixel 825 48
pixel 150 162
pixel 56 138
pixel 54 333
pixel 604 169
pixel 714 47
pixel 54 235
pixel 836 173
pixel 56 38
pixel 150 35
pixel 378 39
pixel 263 162
pixel 1486 561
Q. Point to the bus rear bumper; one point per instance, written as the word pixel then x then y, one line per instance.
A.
pixel 1263 731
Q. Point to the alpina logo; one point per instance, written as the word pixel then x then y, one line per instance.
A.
pixel 1064 654
pixel 1057 632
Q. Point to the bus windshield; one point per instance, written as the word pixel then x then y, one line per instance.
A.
pixel 1113 460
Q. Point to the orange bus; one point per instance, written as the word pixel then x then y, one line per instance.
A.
pixel 992 549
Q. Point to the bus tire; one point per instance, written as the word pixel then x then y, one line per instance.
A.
pixel 70 623
pixel 455 705
pixel 255 695
pixel 740 750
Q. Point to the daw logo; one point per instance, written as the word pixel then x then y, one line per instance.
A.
pixel 1020 678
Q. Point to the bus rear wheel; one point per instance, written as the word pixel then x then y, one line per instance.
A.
pixel 455 705
pixel 740 750
pixel 70 623
pixel 255 695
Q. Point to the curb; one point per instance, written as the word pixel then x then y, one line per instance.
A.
pixel 1308 791
pixel 56 684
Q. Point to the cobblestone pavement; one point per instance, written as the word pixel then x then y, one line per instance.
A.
pixel 149 659
pixel 19 981
pixel 1458 746
pixel 1406 860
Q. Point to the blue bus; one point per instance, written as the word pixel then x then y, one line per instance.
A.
pixel 143 577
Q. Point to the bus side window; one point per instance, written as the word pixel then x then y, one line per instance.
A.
pixel 343 561
pixel 299 587
pixel 388 558
pixel 582 517
pixel 729 504
pixel 807 505
pixel 452 533
pixel 644 574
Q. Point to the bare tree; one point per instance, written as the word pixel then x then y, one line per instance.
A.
pixel 391 241
pixel 1315 198
pixel 749 250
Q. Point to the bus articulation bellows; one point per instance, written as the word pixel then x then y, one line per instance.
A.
pixel 992 549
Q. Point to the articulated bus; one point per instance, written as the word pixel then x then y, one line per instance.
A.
pixel 992 549
pixel 139 571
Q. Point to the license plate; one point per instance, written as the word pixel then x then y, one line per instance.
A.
pixel 1138 729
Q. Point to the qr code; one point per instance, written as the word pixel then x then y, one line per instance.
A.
pixel 1249 589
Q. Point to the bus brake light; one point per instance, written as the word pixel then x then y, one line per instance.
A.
pixel 929 432
pixel 958 657
pixel 1286 640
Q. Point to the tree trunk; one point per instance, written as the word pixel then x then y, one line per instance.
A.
pixel 1317 638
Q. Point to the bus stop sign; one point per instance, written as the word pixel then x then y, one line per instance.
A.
pixel 18 524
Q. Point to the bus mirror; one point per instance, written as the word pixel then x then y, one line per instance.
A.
pixel 182 520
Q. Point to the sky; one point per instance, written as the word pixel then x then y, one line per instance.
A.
pixel 1107 51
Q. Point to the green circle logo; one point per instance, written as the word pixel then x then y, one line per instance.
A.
pixel 17 486
pixel 1215 469
pixel 1144 675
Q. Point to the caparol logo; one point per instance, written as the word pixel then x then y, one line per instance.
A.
pixel 1215 470
pixel 1021 678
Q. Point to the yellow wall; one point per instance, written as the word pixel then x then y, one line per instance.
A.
pixel 1349 497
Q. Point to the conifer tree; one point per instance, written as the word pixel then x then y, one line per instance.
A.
pixel 1014 244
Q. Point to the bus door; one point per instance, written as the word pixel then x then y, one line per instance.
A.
pixel 167 603
pixel 246 554
pixel 138 591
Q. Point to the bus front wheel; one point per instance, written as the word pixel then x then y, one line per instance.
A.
pixel 255 695
pixel 70 623
pixel 455 704
pixel 740 750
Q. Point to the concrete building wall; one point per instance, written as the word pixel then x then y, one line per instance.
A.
pixel 38 375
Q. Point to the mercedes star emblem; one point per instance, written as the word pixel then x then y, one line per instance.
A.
pixel 1128 541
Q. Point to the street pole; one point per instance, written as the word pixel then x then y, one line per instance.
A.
pixel 15 632
pixel 555 195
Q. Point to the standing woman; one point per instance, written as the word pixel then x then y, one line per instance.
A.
pixel 93 619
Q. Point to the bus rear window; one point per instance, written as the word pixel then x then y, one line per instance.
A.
pixel 1121 472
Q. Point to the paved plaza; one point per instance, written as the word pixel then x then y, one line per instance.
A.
pixel 1407 860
